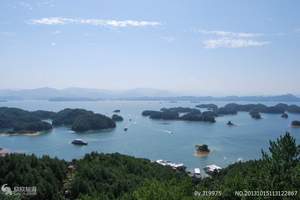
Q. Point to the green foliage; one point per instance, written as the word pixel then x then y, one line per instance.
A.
pixel 114 175
pixel 32 126
pixel 68 116
pixel 9 197
pixel 164 190
pixel 47 174
pixel 280 165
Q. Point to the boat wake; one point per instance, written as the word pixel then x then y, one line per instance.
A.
pixel 166 131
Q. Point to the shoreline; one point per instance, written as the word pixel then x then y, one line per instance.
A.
pixel 37 133
pixel 201 154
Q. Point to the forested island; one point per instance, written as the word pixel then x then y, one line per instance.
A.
pixel 193 114
pixel 296 123
pixel 120 177
pixel 15 120
pixel 255 114
pixel 180 113
pixel 202 148
pixel 117 118
pixel 82 120
pixel 234 108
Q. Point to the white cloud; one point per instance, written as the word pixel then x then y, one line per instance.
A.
pixel 231 34
pixel 232 43
pixel 51 21
pixel 227 39
pixel 94 22
pixel 53 44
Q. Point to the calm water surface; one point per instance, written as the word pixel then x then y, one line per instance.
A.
pixel 155 139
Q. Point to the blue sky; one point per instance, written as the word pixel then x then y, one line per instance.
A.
pixel 203 47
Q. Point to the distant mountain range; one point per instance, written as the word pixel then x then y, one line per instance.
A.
pixel 80 94
pixel 83 94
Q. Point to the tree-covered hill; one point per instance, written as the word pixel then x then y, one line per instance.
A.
pixel 18 120
pixel 115 176
pixel 15 120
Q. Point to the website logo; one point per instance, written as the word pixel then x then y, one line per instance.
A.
pixel 6 189
pixel 19 190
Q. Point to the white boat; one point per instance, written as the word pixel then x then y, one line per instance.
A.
pixel 212 168
pixel 79 142
pixel 197 173
pixel 178 166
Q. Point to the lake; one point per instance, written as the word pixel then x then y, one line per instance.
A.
pixel 155 139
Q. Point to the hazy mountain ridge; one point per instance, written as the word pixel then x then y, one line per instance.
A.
pixel 80 93
pixel 85 94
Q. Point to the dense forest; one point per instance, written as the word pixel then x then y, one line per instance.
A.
pixel 116 176
pixel 46 173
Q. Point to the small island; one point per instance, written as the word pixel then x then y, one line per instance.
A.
pixel 202 150
pixel 117 118
pixel 296 124
pixel 82 120
pixel 117 111
pixel 255 114
pixel 285 116
pixel 229 123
